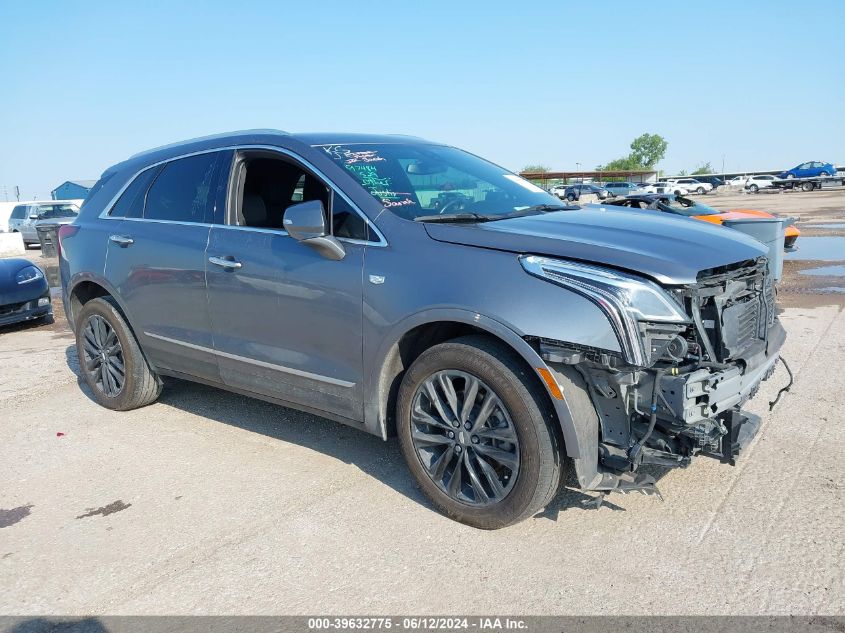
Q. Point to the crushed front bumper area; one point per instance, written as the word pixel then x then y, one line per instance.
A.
pixel 662 417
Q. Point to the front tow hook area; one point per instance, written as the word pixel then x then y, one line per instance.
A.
pixel 741 427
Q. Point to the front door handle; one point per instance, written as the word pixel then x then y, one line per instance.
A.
pixel 229 264
pixel 122 240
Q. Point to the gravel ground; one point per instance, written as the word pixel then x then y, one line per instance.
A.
pixel 208 502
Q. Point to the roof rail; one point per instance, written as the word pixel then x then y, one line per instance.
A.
pixel 210 137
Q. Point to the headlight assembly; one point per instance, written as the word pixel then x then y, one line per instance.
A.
pixel 629 302
pixel 28 275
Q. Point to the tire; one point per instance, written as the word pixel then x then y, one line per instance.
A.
pixel 824 174
pixel 790 176
pixel 754 188
pixel 140 385
pixel 700 190
pixel 808 186
pixel 525 414
pixel 571 197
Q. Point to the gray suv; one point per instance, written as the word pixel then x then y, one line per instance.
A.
pixel 402 286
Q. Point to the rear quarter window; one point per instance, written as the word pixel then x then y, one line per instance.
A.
pixel 184 190
pixel 131 201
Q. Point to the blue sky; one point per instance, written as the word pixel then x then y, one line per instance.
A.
pixel 85 84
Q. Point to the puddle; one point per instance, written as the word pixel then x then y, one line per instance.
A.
pixel 819 248
pixel 825 271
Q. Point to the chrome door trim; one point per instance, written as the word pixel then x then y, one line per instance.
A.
pixel 252 361
pixel 105 214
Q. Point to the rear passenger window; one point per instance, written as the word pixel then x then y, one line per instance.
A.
pixel 131 201
pixel 182 192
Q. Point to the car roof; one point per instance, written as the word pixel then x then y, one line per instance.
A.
pixel 257 137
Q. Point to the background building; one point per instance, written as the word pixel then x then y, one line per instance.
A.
pixel 72 190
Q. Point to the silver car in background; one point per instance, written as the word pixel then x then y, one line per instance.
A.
pixel 26 217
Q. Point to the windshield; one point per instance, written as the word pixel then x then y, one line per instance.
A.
pixel 53 211
pixel 685 206
pixel 424 180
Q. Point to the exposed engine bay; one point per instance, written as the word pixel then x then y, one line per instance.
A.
pixel 686 400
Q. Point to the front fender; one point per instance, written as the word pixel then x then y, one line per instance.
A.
pixel 375 413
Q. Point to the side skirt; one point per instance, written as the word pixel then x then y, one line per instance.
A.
pixel 358 424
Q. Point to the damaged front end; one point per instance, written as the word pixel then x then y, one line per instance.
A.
pixel 691 357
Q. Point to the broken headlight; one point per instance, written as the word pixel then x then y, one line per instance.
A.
pixel 633 305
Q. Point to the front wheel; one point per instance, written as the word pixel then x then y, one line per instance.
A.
pixel 824 174
pixel 790 176
pixel 571 197
pixel 110 360
pixel 478 433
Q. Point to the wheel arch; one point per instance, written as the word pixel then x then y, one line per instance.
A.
pixel 432 327
pixel 88 287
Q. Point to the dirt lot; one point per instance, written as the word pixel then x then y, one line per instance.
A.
pixel 208 502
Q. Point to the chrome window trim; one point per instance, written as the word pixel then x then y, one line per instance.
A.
pixel 252 361
pixel 105 214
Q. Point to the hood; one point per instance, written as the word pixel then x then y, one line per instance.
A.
pixel 11 267
pixel 670 250
pixel 56 221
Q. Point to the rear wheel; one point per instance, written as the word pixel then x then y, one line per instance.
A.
pixel 754 188
pixel 571 197
pixel 700 190
pixel 808 186
pixel 110 360
pixel 478 434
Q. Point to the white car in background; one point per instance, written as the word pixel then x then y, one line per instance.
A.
pixel 665 187
pixel 755 183
pixel 737 181
pixel 693 185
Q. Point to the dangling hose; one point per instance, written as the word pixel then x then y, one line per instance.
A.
pixel 784 389
pixel 634 453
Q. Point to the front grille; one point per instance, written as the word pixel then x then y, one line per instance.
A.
pixel 740 305
pixel 740 325
pixel 11 307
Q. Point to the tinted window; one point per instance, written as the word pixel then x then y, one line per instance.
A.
pixel 19 212
pixel 182 192
pixel 54 211
pixel 345 221
pixel 131 201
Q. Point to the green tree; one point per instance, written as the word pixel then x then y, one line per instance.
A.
pixel 683 172
pixel 703 168
pixel 536 169
pixel 648 150
pixel 620 164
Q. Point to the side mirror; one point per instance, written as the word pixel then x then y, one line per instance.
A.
pixel 306 223
pixel 33 216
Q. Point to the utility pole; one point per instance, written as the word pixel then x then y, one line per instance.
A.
pixel 18 193
pixel 723 164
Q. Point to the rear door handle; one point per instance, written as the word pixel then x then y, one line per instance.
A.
pixel 229 264
pixel 122 240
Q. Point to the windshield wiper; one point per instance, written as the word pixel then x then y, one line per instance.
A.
pixel 455 218
pixel 548 207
